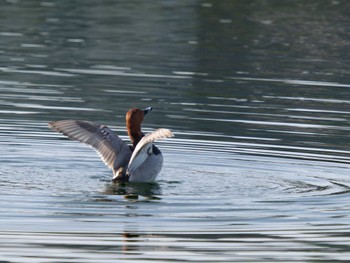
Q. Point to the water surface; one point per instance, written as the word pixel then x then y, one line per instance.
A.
pixel 257 94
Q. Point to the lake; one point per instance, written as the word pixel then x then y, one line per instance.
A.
pixel 257 94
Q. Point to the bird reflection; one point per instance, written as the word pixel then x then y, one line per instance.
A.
pixel 130 242
pixel 134 242
pixel 134 190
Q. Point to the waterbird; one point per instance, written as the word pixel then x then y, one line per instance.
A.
pixel 139 162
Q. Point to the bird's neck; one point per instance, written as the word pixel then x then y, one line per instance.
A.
pixel 134 132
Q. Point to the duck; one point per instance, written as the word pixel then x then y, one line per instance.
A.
pixel 141 161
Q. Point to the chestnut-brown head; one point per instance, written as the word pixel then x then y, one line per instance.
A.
pixel 134 118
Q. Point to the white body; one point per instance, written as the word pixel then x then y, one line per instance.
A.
pixel 148 169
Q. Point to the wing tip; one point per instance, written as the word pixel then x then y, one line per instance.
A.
pixel 167 133
pixel 60 125
pixel 56 125
pixel 51 124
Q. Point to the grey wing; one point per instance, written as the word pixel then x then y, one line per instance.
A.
pixel 114 152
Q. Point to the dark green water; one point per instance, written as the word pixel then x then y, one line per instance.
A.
pixel 256 92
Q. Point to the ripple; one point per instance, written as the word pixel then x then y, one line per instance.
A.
pixel 32 45
pixel 40 106
pixel 120 73
pixel 271 123
pixel 295 82
pixel 40 72
pixel 126 91
pixel 11 34
pixel 309 99
pixel 24 85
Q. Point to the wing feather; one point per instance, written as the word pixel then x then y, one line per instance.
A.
pixel 139 156
pixel 113 151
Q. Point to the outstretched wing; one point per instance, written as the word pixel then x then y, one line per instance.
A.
pixel 114 152
pixel 142 149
